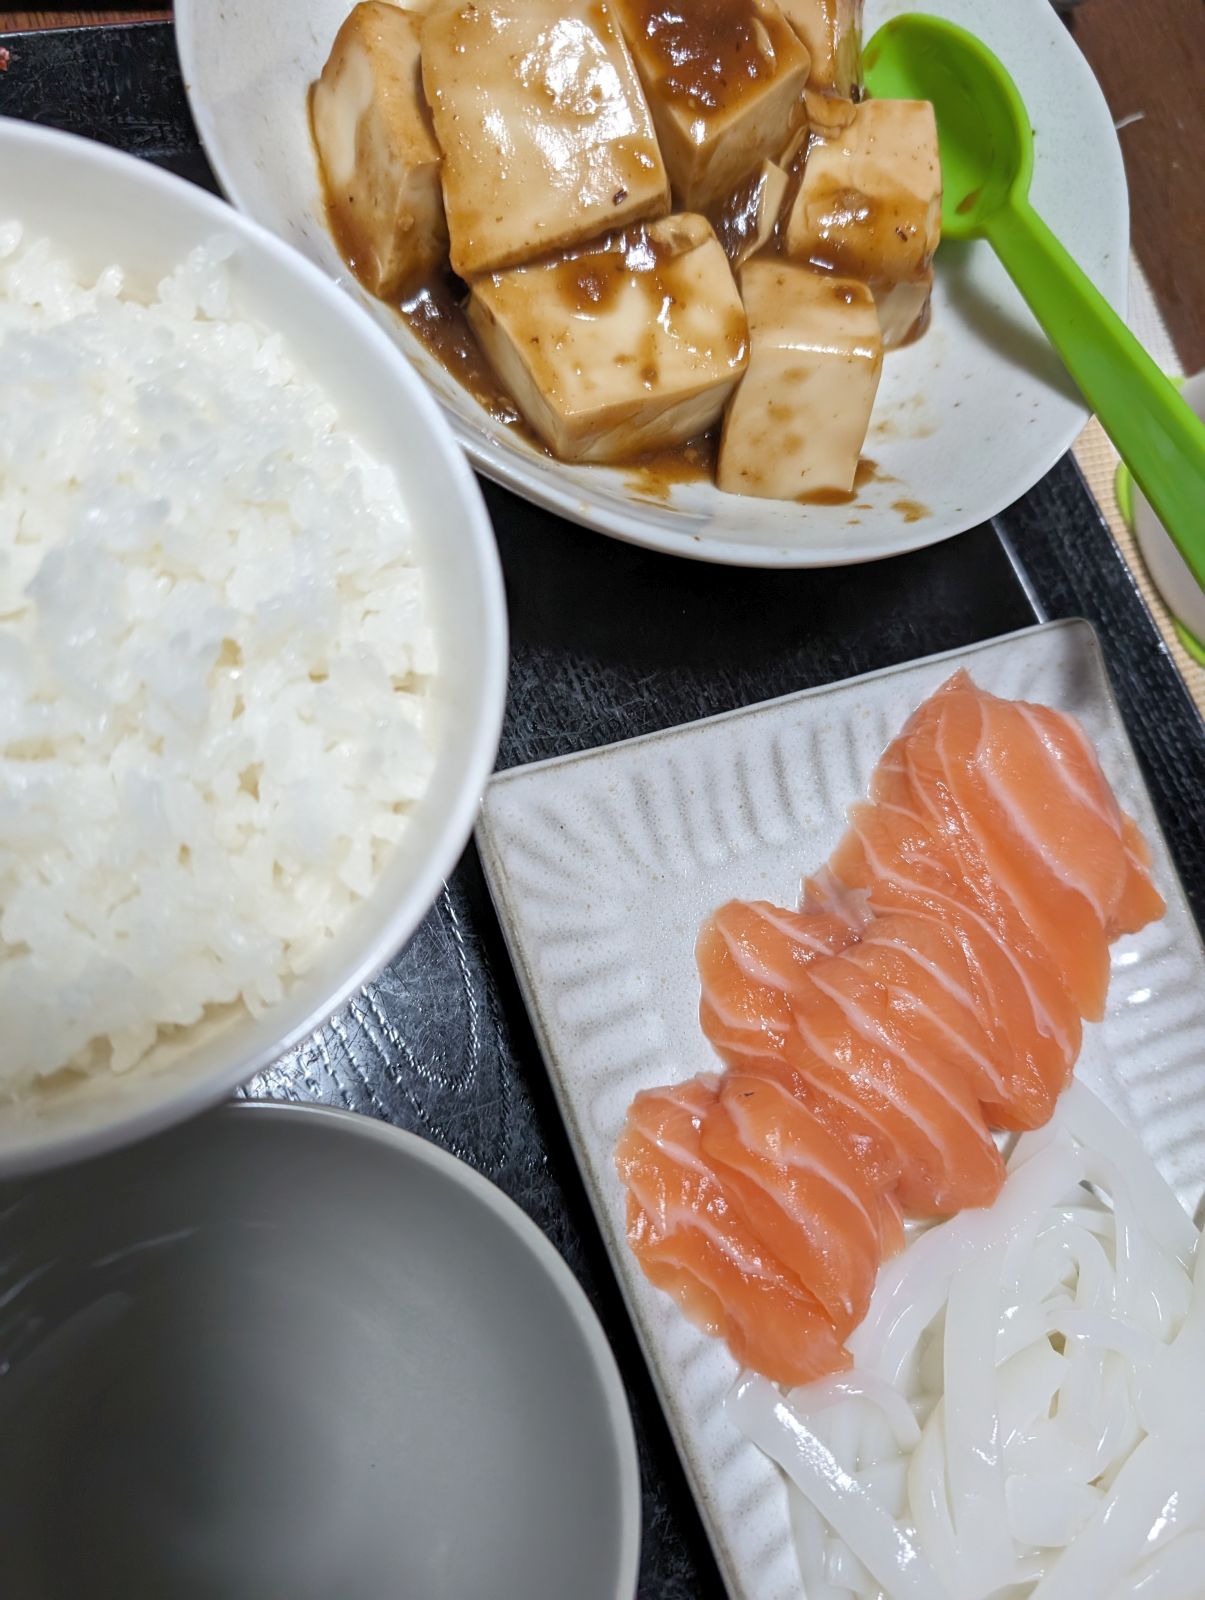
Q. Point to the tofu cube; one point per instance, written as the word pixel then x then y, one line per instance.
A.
pixel 629 345
pixel 797 422
pixel 826 115
pixel 379 159
pixel 725 81
pixel 546 134
pixel 745 221
pixel 832 31
pixel 869 202
pixel 903 310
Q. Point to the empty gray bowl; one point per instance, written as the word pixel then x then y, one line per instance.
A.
pixel 284 1353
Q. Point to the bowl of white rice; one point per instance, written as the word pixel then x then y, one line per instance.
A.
pixel 252 648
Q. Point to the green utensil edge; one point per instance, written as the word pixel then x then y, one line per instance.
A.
pixel 1158 436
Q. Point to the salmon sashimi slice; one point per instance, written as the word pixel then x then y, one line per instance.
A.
pixel 1014 795
pixel 773 1326
pixel 754 964
pixel 693 1243
pixel 1139 901
pixel 838 1111
pixel 749 955
pixel 933 986
pixel 948 1158
pixel 890 1221
pixel 799 1190
pixel 972 766
pixel 1019 993
pixel 903 1116
pixel 944 987
pixel 748 1019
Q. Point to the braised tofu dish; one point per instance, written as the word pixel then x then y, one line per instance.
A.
pixel 634 227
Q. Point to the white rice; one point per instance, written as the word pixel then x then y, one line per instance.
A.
pixel 213 662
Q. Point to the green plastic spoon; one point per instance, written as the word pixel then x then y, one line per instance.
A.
pixel 987 163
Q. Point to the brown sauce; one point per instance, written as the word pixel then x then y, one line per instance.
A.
pixel 433 311
pixel 434 315
pixel 592 278
pixel 911 510
pixel 854 235
pixel 738 218
pixel 653 476
pixel 867 471
pixel 707 54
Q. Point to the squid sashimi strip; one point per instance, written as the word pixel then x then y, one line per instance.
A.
pixel 912 1289
pixel 1027 1382
pixel 798 1190
pixel 811 1537
pixel 974 1461
pixel 1048 1511
pixel 1161 1397
pixel 1158 1473
pixel 1089 1121
pixel 929 1501
pixel 760 1412
pixel 1173 1573
pixel 691 1242
pixel 835 1391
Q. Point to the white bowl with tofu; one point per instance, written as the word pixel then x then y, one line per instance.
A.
pixel 580 332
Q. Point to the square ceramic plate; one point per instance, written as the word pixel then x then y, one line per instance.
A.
pixel 602 867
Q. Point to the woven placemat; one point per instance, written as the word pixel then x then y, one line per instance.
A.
pixel 1098 463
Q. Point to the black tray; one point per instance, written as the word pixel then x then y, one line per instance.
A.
pixel 608 641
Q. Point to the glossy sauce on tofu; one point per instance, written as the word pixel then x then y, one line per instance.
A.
pixel 710 56
pixel 709 53
pixel 434 316
pixel 854 233
pixel 589 281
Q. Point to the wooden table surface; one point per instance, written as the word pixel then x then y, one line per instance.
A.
pixel 1150 60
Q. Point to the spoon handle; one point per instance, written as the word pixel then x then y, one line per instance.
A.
pixel 1156 433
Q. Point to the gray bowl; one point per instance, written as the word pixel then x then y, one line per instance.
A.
pixel 285 1353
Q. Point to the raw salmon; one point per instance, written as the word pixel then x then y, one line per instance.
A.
pixel 773 1002
pixel 1014 799
pixel 932 988
pixel 858 1051
pixel 880 859
pixel 750 956
pixel 693 1243
pixel 799 1190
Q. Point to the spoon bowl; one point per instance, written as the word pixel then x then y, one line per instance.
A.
pixel 986 139
pixel 987 153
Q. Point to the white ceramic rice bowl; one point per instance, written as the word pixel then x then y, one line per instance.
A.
pixel 98 206
pixel 967 419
